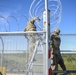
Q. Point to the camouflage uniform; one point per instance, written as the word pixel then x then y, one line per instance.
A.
pixel 31 36
pixel 57 58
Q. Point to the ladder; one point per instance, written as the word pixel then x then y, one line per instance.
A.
pixel 33 56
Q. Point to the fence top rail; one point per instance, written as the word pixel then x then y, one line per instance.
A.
pixel 20 32
pixel 67 34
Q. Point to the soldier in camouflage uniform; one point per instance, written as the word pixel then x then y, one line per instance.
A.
pixel 57 58
pixel 31 36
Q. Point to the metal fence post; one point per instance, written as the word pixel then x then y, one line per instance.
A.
pixel 47 29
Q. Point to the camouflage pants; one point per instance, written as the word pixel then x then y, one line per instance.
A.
pixel 57 59
pixel 32 42
pixel 54 65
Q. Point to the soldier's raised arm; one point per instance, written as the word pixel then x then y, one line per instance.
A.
pixel 30 24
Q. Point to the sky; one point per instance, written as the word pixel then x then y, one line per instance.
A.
pixel 17 8
pixel 68 21
pixel 12 10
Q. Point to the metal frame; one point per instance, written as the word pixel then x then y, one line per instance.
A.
pixel 47 29
pixel 27 32
pixel 2 51
pixel 65 72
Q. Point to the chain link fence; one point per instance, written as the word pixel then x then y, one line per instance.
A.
pixel 68 50
pixel 14 50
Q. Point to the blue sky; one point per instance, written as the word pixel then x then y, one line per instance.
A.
pixel 68 21
pixel 17 8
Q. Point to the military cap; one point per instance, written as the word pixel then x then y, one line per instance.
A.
pixel 57 30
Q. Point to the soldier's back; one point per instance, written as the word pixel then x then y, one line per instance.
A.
pixel 55 40
pixel 29 26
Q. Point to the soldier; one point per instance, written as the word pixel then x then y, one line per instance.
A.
pixel 57 58
pixel 31 36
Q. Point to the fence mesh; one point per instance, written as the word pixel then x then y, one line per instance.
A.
pixel 14 50
pixel 68 50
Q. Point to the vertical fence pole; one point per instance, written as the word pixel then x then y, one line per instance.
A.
pixel 47 29
pixel 2 54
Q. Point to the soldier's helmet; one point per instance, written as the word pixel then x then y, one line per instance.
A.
pixel 32 20
pixel 57 30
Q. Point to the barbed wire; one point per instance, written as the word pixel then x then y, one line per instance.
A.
pixel 37 8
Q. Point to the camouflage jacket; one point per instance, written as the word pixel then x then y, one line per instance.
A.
pixel 30 26
pixel 55 40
